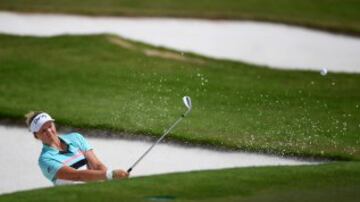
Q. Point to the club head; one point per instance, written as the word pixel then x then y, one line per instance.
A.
pixel 187 102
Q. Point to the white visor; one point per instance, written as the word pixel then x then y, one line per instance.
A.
pixel 39 121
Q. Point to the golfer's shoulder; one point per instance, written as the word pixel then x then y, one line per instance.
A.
pixel 46 156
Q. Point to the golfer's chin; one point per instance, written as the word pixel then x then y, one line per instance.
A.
pixel 50 137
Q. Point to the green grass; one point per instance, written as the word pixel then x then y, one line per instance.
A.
pixel 331 182
pixel 334 15
pixel 90 82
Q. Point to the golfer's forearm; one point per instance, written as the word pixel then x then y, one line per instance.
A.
pixel 83 175
pixel 91 175
pixel 99 167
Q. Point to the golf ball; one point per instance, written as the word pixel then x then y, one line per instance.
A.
pixel 323 71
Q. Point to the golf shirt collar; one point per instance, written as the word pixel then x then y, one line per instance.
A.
pixel 53 150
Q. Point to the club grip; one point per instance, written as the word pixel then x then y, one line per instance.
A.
pixel 129 170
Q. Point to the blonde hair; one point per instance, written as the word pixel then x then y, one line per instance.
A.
pixel 30 116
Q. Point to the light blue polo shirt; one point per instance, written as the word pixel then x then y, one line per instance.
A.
pixel 51 159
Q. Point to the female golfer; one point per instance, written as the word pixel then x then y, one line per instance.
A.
pixel 62 156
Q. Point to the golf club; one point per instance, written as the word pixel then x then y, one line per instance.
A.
pixel 187 102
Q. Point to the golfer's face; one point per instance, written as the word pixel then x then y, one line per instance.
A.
pixel 47 131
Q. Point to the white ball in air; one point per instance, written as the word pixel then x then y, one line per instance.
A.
pixel 323 71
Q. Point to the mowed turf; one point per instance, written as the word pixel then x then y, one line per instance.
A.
pixel 331 182
pixel 95 82
pixel 334 15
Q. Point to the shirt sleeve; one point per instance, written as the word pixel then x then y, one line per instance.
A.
pixel 83 143
pixel 49 168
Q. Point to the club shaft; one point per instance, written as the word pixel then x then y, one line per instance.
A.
pixel 162 137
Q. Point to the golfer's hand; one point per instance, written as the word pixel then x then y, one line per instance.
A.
pixel 120 174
